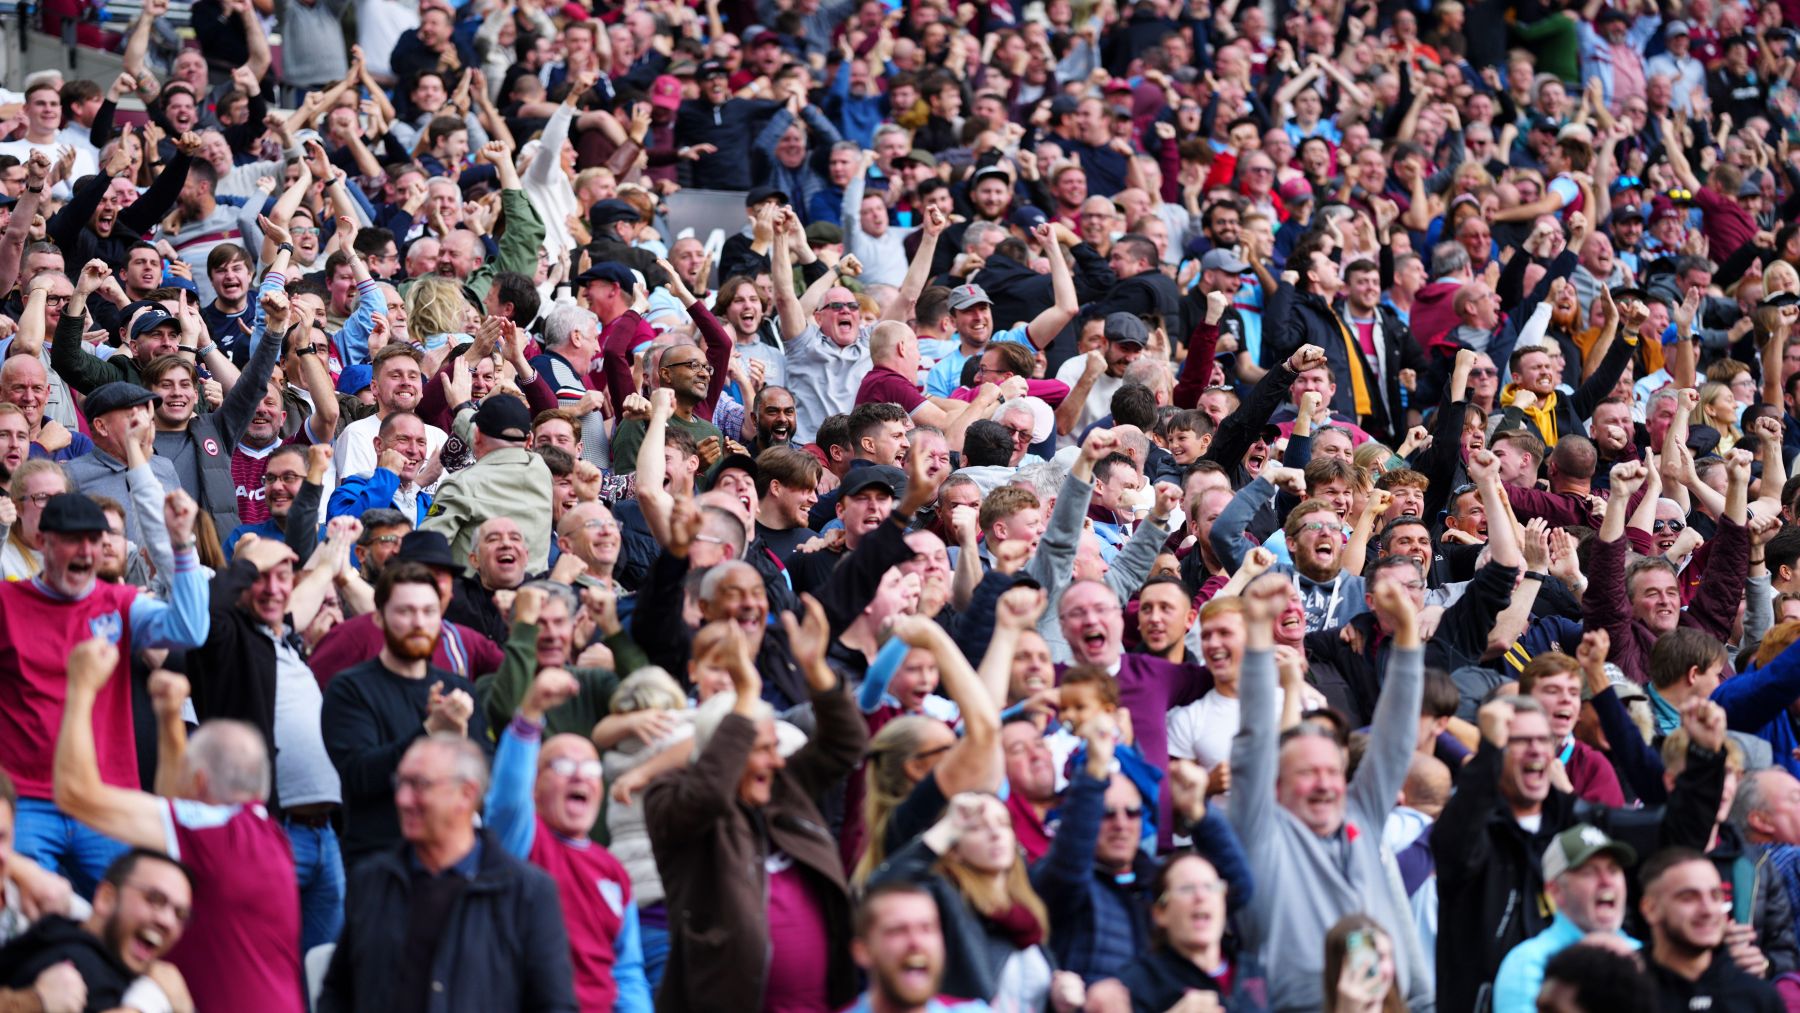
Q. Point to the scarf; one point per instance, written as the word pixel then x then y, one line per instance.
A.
pixel 1018 924
pixel 1542 415
pixel 1359 383
pixel 1667 717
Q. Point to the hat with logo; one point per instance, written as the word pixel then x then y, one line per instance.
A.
pixel 710 68
pixel 150 320
pixel 1572 849
pixel 963 297
pixel 665 92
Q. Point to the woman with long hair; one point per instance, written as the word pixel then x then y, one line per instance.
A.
pixel 994 925
pixel 1718 409
pixel 1190 951
pixel 740 306
pixel 1359 968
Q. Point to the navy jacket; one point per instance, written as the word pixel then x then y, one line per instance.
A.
pixel 503 949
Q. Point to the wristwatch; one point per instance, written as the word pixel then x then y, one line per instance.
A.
pixel 289 247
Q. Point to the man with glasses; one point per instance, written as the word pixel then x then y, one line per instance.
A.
pixel 489 927
pixel 145 894
pixel 27 383
pixel 293 483
pixel 541 807
pixel 687 373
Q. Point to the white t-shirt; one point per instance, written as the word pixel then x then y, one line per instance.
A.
pixel 1099 399
pixel 85 161
pixel 1201 731
pixel 355 454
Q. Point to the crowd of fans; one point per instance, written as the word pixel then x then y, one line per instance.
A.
pixel 1151 507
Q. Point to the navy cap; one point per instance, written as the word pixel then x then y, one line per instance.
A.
pixel 885 476
pixel 608 270
pixel 71 513
pixel 610 212
pixel 355 377
pixel 6 201
pixel 503 417
pixel 710 68
pixel 110 397
pixel 741 462
pixel 758 194
pixel 150 320
pixel 427 548
pixel 1029 217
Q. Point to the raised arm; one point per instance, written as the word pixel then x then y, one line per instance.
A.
pixel 918 273
pixel 974 762
pixel 1050 322
pixel 787 304
pixel 123 814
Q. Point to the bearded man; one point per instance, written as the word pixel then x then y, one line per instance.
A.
pixel 372 711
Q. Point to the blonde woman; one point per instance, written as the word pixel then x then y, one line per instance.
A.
pixel 35 481
pixel 1718 409
pixel 994 924
pixel 436 312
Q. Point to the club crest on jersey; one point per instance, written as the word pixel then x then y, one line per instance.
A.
pixel 108 626
pixel 613 894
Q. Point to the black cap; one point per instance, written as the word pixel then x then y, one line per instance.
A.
pixel 710 68
pixel 427 548
pixel 6 201
pixel 886 476
pixel 742 462
pixel 503 417
pixel 609 212
pixel 71 513
pixel 1781 300
pixel 110 397
pixel 1703 441
pixel 758 194
pixel 607 270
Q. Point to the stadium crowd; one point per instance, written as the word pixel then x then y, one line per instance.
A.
pixel 1129 506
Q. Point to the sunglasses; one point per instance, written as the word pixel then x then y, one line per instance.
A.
pixel 564 766
pixel 1681 194
pixel 1626 182
pixel 1672 527
pixel 836 307
pixel 1129 812
pixel 1483 372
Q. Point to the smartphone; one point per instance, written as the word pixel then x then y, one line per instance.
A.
pixel 1362 956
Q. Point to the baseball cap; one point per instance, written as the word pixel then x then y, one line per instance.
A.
pixel 1029 217
pixel 613 211
pixel 1669 212
pixel 72 513
pixel 1122 327
pixel 607 270
pixel 887 477
pixel 993 171
pixel 964 296
pixel 354 378
pixel 742 462
pixel 150 320
pixel 824 233
pixel 1572 849
pixel 1063 105
pixel 110 397
pixel 1296 189
pixel 503 417
pixel 1749 188
pixel 1609 14
pixel 1781 300
pixel 1625 211
pixel 427 548
pixel 665 92
pixel 1675 28
pixel 710 68
pixel 1221 259
pixel 1543 122
pixel 918 156
pixel 758 194
pixel 7 201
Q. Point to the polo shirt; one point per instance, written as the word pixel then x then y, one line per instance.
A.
pixel 823 377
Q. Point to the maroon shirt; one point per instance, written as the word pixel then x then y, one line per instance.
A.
pixel 882 384
pixel 357 639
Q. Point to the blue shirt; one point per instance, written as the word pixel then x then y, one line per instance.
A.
pixel 946 376
pixel 1521 974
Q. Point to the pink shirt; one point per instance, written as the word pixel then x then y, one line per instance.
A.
pixel 801 954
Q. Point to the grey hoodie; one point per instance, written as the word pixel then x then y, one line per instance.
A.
pixel 1304 882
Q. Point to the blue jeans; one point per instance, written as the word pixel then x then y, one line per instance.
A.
pixel 57 843
pixel 321 872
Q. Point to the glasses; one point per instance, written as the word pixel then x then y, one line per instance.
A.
pixel 1626 182
pixel 1314 526
pixel 1129 812
pixel 384 540
pixel 1189 891
pixel 1483 372
pixel 37 499
pixel 929 753
pixel 418 785
pixel 1413 585
pixel 1019 433
pixel 160 901
pixel 283 478
pixel 697 365
pixel 1463 490
pixel 1681 194
pixel 564 766
pixel 305 230
pixel 599 525
pixel 1091 612
pixel 56 300
pixel 840 307
pixel 1675 527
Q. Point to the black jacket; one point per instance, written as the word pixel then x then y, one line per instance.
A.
pixel 504 947
pixel 233 673
pixel 729 127
pixel 70 231
pixel 1490 888
pixel 53 939
pixel 1722 986
pixel 1141 294
pixel 1296 318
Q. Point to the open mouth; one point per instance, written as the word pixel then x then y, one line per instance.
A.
pixel 507 557
pixel 1094 641
pixel 1609 903
pixel 145 945
pixel 578 794
pixel 1034 683
pixel 1534 775
pixel 1218 657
